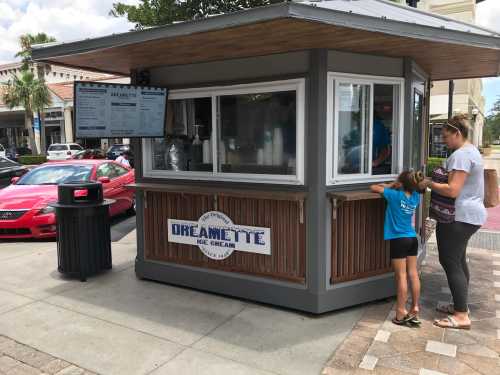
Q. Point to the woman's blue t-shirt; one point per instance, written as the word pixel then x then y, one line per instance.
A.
pixel 399 213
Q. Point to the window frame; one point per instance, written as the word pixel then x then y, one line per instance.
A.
pixel 334 79
pixel 297 85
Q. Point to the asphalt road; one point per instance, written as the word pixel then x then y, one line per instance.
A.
pixel 121 225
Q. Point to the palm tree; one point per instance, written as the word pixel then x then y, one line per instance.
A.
pixel 27 90
pixel 31 93
pixel 28 40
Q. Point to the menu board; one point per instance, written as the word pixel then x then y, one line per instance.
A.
pixel 110 110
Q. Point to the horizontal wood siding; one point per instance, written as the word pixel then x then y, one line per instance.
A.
pixel 284 217
pixel 358 246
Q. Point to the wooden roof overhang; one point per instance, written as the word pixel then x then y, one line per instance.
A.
pixel 443 53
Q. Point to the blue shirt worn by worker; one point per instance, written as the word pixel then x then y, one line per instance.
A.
pixel 399 213
pixel 381 138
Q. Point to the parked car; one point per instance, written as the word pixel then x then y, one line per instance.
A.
pixel 496 142
pixel 118 149
pixel 89 154
pixel 2 152
pixel 24 205
pixel 8 170
pixel 62 151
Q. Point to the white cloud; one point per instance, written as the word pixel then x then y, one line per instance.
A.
pixel 488 14
pixel 7 13
pixel 65 20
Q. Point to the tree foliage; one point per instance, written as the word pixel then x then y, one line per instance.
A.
pixel 27 41
pixel 29 92
pixel 163 12
pixel 492 129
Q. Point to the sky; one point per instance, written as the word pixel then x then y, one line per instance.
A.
pixel 68 20
pixel 488 15
pixel 65 20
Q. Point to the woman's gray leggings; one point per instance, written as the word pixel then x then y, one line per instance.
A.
pixel 452 242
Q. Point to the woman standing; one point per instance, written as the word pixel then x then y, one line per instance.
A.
pixel 465 184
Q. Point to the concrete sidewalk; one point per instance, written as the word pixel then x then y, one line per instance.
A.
pixel 377 346
pixel 117 324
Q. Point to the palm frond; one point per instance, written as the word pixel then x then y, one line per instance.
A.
pixel 28 92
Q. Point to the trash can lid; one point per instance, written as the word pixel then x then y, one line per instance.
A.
pixel 77 193
pixel 105 202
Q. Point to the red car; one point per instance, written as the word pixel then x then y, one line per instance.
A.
pixel 24 205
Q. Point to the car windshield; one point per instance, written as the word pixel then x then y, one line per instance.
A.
pixel 56 174
pixel 58 148
pixel 6 163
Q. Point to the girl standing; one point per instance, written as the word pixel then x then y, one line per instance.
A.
pixel 403 199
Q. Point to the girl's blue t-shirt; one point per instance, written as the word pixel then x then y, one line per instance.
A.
pixel 399 213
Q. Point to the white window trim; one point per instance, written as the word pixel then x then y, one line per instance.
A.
pixel 334 78
pixel 297 85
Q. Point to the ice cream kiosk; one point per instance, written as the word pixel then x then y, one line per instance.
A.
pixel 277 121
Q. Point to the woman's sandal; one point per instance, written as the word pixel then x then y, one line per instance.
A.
pixel 451 323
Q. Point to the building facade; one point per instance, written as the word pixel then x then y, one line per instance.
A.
pixel 56 123
pixel 468 97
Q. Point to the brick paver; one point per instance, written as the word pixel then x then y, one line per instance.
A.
pixel 377 346
pixel 20 359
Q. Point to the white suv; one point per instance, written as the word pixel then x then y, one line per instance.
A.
pixel 62 151
pixel 2 151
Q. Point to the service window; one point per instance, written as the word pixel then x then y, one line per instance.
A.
pixel 189 128
pixel 258 133
pixel 364 128
pixel 251 133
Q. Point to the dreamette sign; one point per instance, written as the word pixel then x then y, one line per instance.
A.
pixel 217 237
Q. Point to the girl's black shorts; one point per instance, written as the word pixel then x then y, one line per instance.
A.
pixel 403 247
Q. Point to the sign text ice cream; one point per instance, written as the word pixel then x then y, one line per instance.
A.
pixel 217 237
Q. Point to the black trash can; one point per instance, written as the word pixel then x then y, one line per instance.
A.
pixel 83 230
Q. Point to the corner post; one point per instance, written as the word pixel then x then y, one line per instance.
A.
pixel 316 176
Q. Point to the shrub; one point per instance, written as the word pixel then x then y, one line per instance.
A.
pixel 432 163
pixel 32 159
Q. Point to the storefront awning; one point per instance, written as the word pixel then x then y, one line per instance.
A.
pixel 445 48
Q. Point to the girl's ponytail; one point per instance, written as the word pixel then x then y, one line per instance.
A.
pixel 410 180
